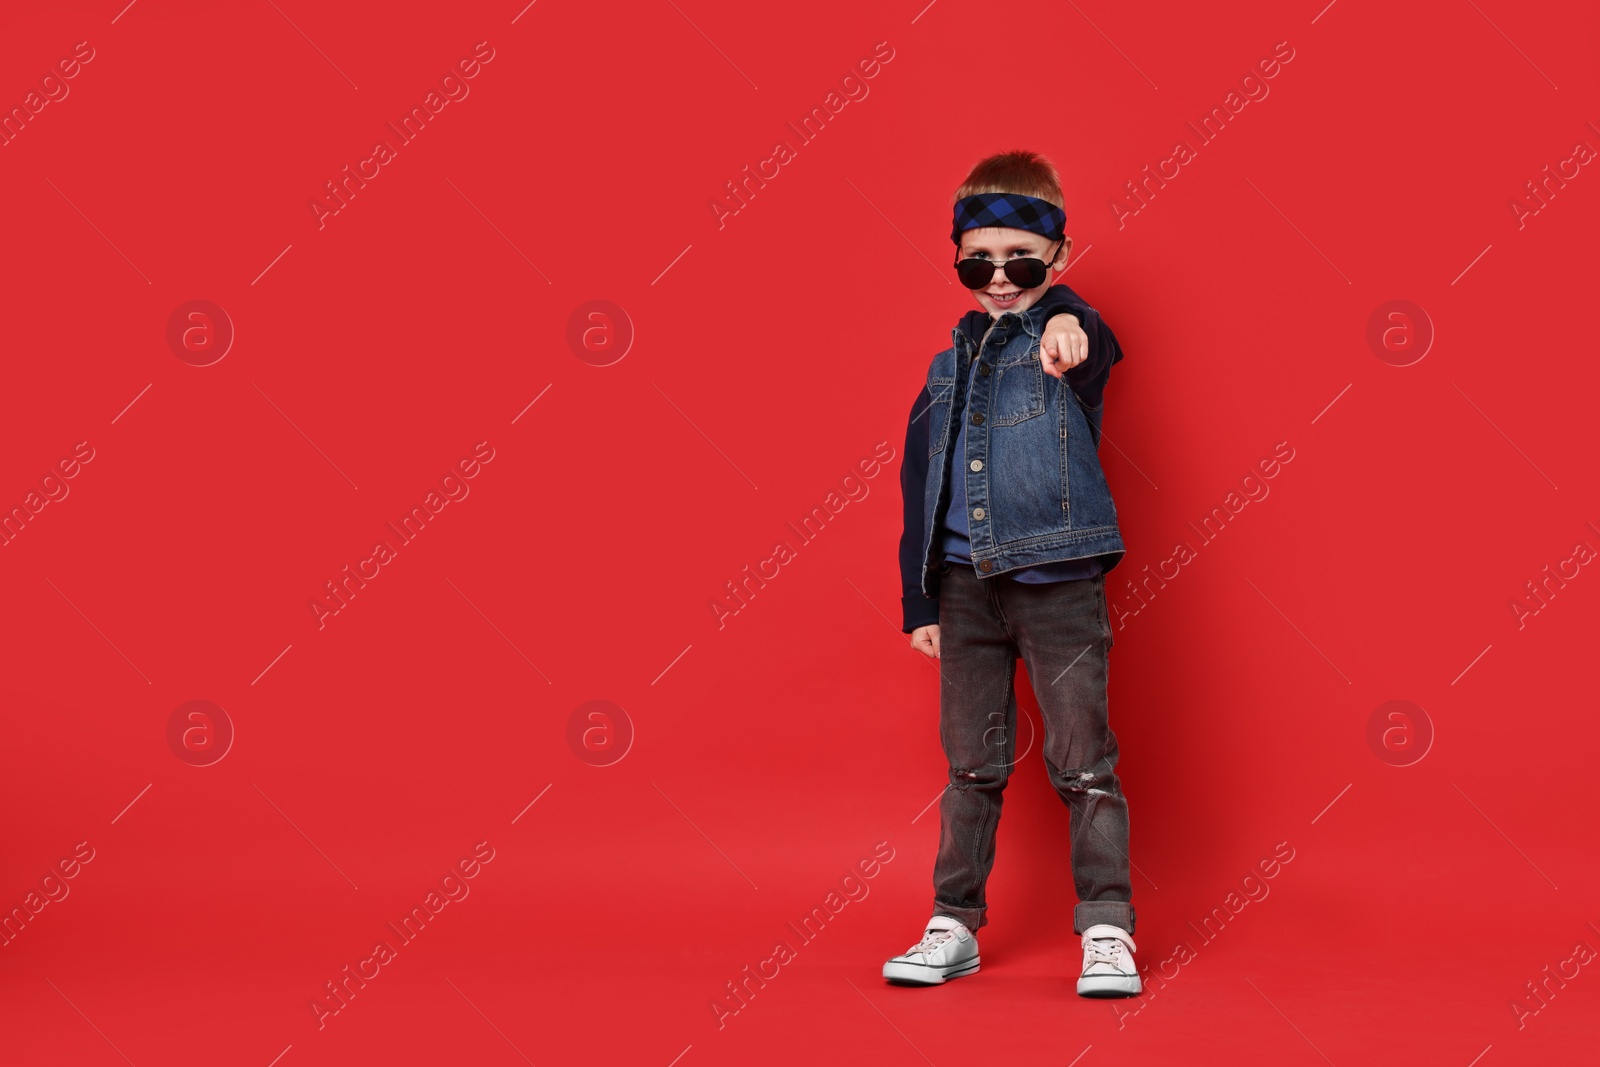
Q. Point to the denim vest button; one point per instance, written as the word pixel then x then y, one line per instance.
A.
pixel 983 370
pixel 978 513
pixel 976 464
pixel 977 420
pixel 985 566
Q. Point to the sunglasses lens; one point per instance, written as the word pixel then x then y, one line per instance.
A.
pixel 1026 273
pixel 975 273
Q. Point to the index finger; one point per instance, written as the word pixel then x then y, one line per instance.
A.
pixel 1048 359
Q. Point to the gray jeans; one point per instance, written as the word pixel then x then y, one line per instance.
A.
pixel 1062 631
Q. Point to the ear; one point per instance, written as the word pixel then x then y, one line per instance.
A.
pixel 1062 256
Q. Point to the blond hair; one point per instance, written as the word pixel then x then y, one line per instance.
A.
pixel 1022 172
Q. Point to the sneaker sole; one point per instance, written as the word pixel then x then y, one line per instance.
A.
pixel 1110 985
pixel 920 974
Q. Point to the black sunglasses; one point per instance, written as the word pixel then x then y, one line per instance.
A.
pixel 1026 273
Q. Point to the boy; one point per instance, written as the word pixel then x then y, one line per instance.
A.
pixel 1009 531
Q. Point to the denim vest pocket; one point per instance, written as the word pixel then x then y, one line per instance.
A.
pixel 941 392
pixel 1091 416
pixel 1018 390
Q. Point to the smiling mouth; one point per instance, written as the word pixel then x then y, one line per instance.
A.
pixel 1005 298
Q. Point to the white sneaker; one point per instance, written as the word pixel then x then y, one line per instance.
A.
pixel 947 950
pixel 1108 968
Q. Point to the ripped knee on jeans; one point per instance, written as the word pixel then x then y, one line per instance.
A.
pixel 1083 782
pixel 961 777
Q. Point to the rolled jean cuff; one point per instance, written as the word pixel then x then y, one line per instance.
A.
pixel 971 918
pixel 1111 912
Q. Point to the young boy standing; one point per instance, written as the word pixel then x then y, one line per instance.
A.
pixel 1009 531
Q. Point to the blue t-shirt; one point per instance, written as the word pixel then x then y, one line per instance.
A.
pixel 957 543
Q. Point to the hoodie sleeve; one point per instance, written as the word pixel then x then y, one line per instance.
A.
pixel 1088 379
pixel 916 608
pixel 1059 298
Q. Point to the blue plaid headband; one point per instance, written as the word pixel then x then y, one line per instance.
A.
pixel 1013 210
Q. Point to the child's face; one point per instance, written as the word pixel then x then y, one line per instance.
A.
pixel 1000 243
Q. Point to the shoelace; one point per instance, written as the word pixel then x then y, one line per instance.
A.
pixel 931 941
pixel 1104 950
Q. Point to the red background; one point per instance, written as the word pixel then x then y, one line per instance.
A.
pixel 772 753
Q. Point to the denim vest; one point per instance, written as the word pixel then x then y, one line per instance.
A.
pixel 1035 492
